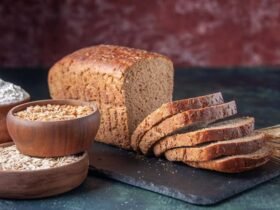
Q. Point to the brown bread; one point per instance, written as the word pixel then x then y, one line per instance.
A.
pixel 229 129
pixel 205 152
pixel 171 108
pixel 235 163
pixel 120 80
pixel 185 120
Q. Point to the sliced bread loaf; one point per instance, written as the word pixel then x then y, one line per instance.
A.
pixel 214 150
pixel 186 120
pixel 120 80
pixel 235 163
pixel 168 109
pixel 229 129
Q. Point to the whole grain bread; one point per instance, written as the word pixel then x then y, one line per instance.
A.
pixel 225 130
pixel 120 81
pixel 185 120
pixel 235 163
pixel 205 152
pixel 168 109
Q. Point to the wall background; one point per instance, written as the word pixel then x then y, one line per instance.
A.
pixel 206 33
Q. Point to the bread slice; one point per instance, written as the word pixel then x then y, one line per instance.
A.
pixel 229 129
pixel 214 150
pixel 168 109
pixel 186 120
pixel 235 163
pixel 127 84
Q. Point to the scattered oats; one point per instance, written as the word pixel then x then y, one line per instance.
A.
pixel 12 159
pixel 54 112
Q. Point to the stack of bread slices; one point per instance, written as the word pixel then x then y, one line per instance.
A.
pixel 187 131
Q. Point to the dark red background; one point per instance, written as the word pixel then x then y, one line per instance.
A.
pixel 192 32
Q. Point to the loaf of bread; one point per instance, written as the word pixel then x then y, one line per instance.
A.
pixel 127 84
pixel 133 90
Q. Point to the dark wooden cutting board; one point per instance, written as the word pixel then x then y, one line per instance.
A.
pixel 173 179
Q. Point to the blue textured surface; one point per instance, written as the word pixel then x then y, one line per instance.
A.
pixel 257 92
pixel 197 186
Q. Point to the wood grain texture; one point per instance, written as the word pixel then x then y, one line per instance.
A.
pixel 53 138
pixel 42 183
pixel 4 109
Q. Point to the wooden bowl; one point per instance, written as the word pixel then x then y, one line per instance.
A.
pixel 53 138
pixel 44 182
pixel 4 109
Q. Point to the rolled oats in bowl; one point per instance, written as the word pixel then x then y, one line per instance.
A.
pixel 54 112
pixel 12 160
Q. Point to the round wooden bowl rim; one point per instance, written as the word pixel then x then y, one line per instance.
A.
pixel 20 107
pixel 84 156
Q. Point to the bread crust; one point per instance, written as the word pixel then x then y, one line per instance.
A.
pixel 243 128
pixel 172 108
pixel 109 59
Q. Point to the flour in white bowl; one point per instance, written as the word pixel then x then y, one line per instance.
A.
pixel 10 93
